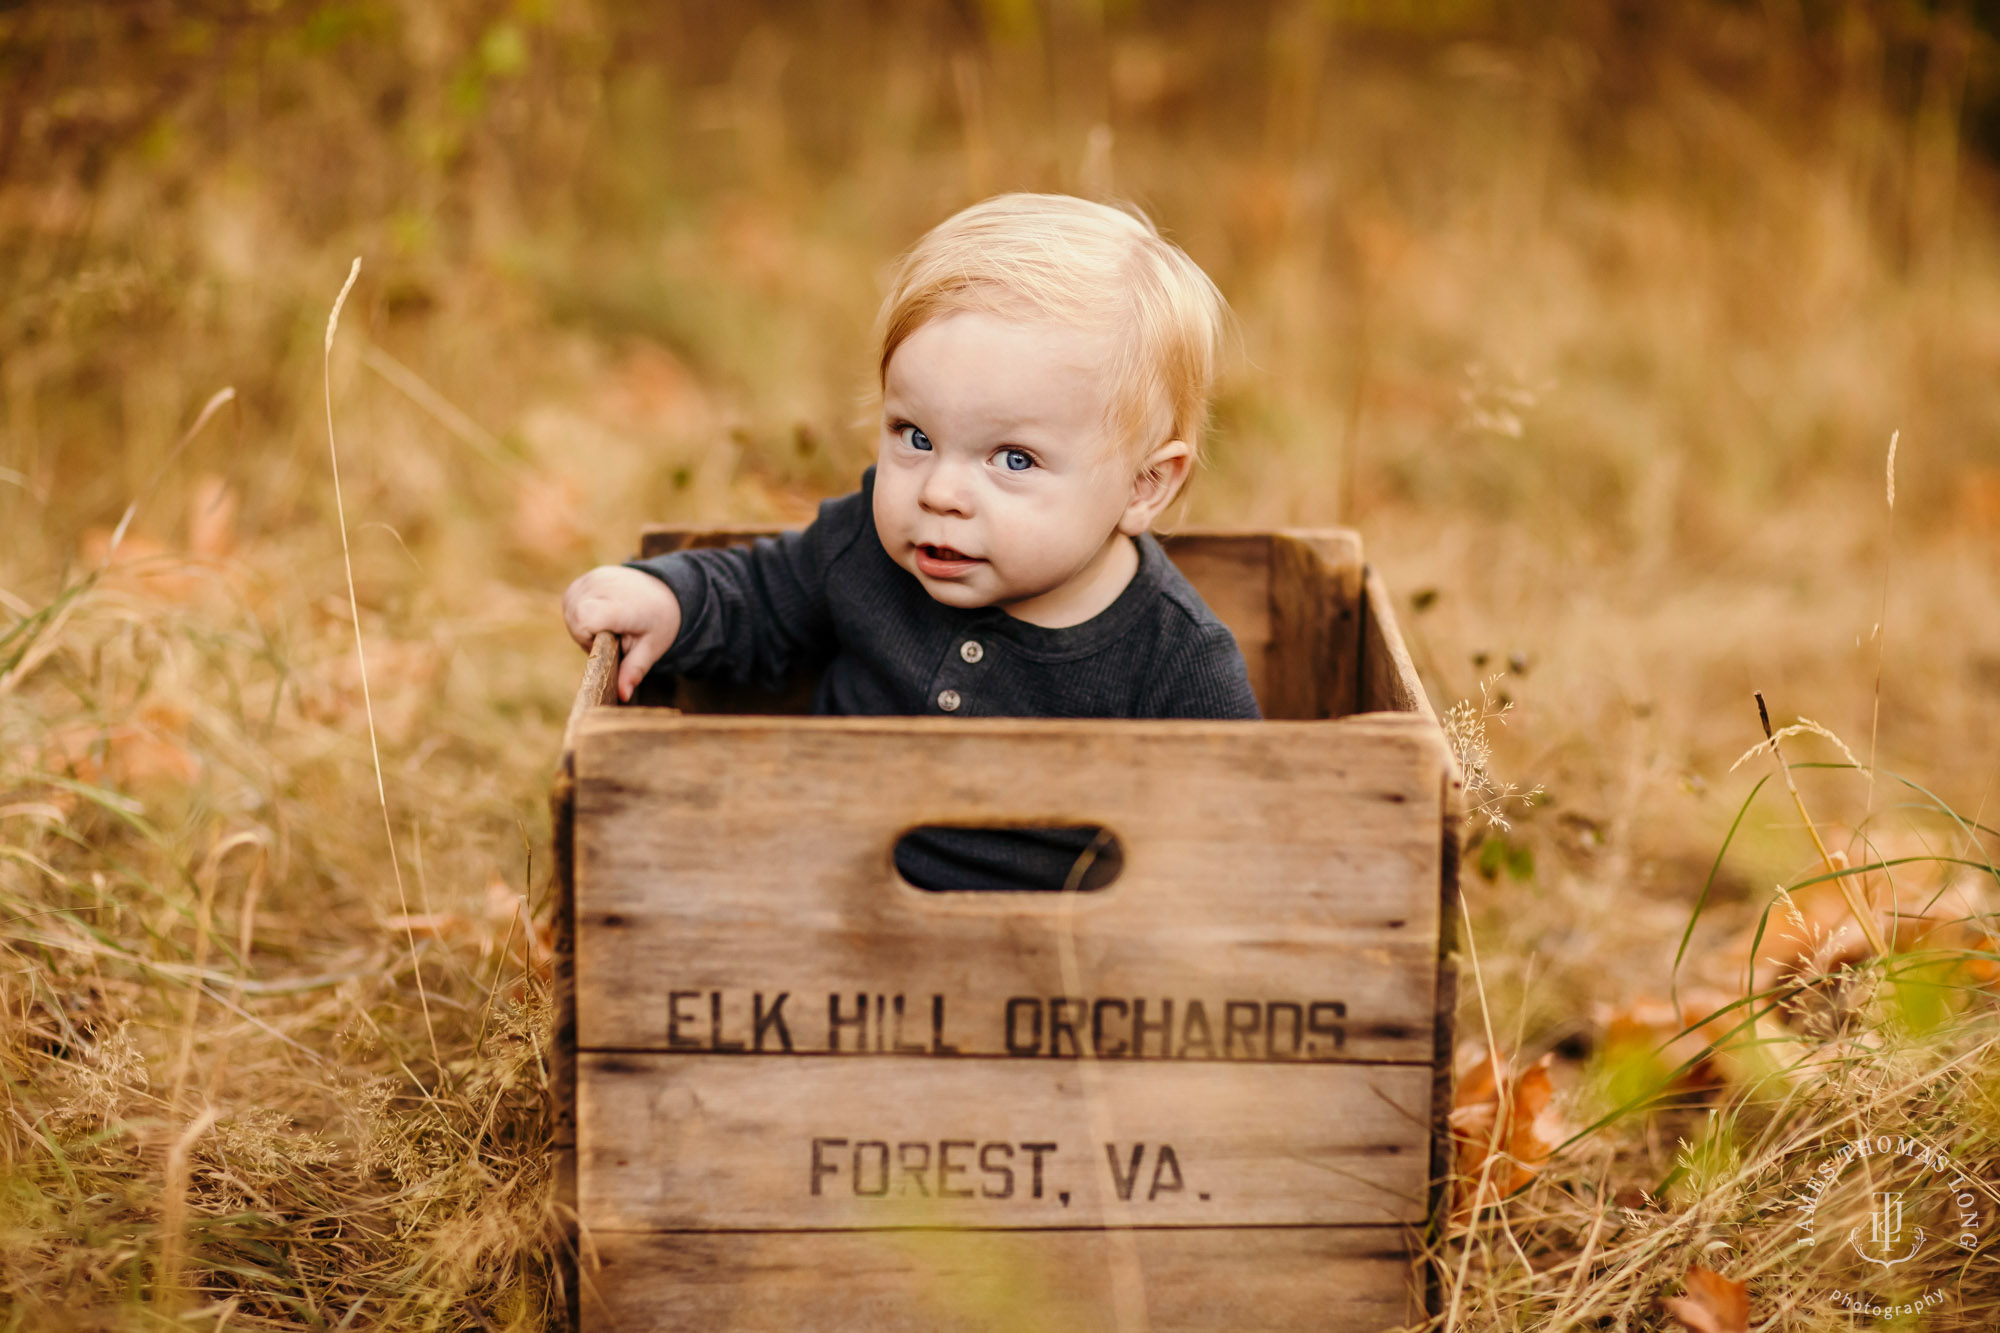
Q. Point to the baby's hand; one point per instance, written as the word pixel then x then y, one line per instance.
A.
pixel 640 609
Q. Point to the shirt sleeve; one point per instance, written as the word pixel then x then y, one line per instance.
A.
pixel 755 613
pixel 1203 676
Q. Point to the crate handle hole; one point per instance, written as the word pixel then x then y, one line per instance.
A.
pixel 1011 858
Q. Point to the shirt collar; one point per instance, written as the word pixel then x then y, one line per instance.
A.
pixel 1041 641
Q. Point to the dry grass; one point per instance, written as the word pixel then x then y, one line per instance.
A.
pixel 1596 328
pixel 1699 1130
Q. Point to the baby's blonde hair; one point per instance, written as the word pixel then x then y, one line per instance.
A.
pixel 1080 264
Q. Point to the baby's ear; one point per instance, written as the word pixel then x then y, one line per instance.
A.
pixel 1155 483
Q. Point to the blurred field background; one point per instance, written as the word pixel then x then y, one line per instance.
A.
pixel 1595 318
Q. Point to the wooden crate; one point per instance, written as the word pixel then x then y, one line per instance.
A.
pixel 796 1093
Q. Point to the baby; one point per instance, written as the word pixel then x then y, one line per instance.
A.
pixel 1045 368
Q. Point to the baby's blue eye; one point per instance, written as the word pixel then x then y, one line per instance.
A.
pixel 1018 460
pixel 918 440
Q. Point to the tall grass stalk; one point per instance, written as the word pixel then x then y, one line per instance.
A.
pixel 1863 916
pixel 1882 619
pixel 361 660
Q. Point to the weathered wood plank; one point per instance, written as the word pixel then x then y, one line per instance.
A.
pixel 1284 1280
pixel 1312 669
pixel 711 1143
pixel 738 857
pixel 1389 681
pixel 1445 1014
pixel 599 688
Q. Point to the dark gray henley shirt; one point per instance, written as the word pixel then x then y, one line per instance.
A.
pixel 828 597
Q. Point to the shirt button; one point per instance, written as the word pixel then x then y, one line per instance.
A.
pixel 948 700
pixel 971 651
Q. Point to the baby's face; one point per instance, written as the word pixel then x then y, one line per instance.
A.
pixel 997 481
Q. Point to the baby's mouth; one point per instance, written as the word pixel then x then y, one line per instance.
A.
pixel 945 553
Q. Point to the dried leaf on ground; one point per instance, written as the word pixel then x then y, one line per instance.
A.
pixel 1686 1038
pixel 153 748
pixel 140 565
pixel 1504 1127
pixel 1922 904
pixel 1713 1304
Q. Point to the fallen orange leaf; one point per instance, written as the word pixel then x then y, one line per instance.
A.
pixel 1713 1304
pixel 1504 1127
pixel 1811 931
pixel 140 755
pixel 151 749
pixel 141 564
pixel 1534 1128
pixel 1675 1036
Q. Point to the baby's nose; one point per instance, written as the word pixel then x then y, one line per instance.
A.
pixel 945 490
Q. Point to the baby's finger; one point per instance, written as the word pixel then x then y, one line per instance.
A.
pixel 641 651
pixel 594 614
pixel 582 615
